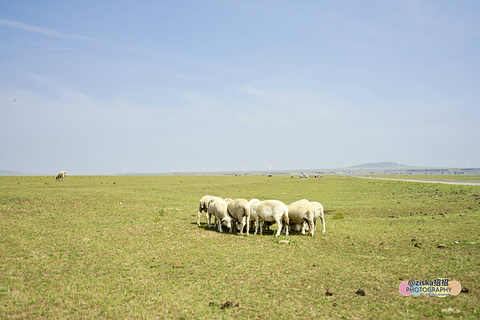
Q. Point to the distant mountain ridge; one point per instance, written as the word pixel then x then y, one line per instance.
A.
pixel 383 166
pixel 11 173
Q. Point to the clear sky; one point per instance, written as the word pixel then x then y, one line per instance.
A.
pixel 104 87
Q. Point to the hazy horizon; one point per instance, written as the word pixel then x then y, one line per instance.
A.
pixel 383 165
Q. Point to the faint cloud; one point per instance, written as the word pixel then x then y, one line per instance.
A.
pixel 58 91
pixel 255 91
pixel 26 27
pixel 274 98
pixel 196 99
pixel 58 34
pixel 41 30
pixel 193 78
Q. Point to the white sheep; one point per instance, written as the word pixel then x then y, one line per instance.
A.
pixel 61 175
pixel 239 210
pixel 270 210
pixel 301 212
pixel 319 213
pixel 252 218
pixel 218 208
pixel 253 201
pixel 203 207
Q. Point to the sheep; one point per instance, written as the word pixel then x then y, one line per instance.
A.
pixel 209 215
pixel 203 207
pixel 270 210
pixel 61 175
pixel 319 213
pixel 239 210
pixel 218 208
pixel 302 211
pixel 253 201
pixel 252 218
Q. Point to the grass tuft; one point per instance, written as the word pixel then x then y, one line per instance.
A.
pixel 339 215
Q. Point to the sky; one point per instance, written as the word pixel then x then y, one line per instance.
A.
pixel 103 87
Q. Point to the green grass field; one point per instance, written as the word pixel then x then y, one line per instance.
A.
pixel 432 177
pixel 128 247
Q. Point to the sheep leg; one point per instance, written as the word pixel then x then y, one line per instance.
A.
pixel 304 227
pixel 248 225
pixel 235 226
pixel 287 223
pixel 242 225
pixel 311 225
pixel 198 217
pixel 209 218
pixel 323 221
pixel 199 213
pixel 279 226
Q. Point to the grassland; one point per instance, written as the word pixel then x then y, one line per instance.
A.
pixel 129 247
pixel 462 177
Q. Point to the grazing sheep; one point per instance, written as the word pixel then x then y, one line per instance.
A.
pixel 239 210
pixel 61 175
pixel 227 201
pixel 203 207
pixel 319 213
pixel 218 208
pixel 270 210
pixel 302 211
pixel 252 218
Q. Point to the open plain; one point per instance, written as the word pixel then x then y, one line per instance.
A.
pixel 129 247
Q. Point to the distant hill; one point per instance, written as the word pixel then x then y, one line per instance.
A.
pixel 10 173
pixel 383 166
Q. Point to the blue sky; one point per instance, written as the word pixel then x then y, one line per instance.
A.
pixel 100 87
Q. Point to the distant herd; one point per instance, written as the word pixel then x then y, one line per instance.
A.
pixel 237 214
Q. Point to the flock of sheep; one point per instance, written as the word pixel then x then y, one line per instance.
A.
pixel 299 215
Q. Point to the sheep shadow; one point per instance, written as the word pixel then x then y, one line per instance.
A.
pixel 204 226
